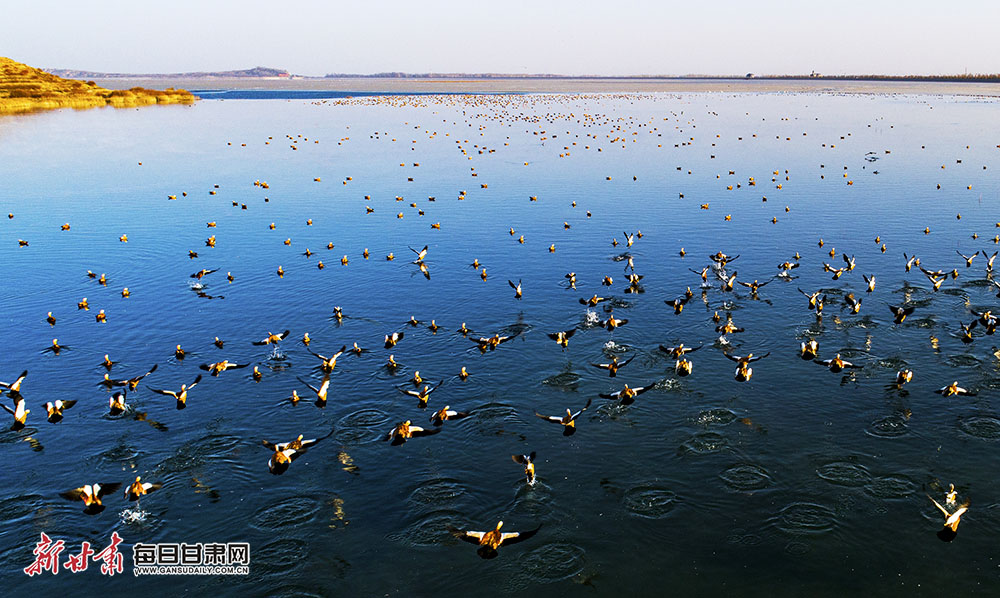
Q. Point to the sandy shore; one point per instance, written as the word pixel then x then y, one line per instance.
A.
pixel 569 85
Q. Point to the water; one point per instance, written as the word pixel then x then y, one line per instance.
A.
pixel 800 481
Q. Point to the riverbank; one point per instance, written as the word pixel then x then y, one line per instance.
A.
pixel 27 89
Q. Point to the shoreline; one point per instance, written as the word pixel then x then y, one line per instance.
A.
pixel 473 86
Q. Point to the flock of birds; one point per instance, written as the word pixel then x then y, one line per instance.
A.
pixel 718 275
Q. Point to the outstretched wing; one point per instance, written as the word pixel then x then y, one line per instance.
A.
pixel 515 537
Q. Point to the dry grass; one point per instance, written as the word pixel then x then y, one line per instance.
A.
pixel 25 89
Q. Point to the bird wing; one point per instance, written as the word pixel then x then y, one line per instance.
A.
pixel 736 358
pixel 508 538
pixel 758 357
pixel 104 489
pixel 159 391
pixel 467 536
pixel 551 418
pixel 577 414
pixel 940 508
pixel 195 383
pixel 418 431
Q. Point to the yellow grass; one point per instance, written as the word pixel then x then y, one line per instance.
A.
pixel 25 89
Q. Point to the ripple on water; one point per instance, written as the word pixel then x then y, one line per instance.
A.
pixel 566 381
pixel 288 512
pixel 962 360
pixel 121 453
pixel 650 501
pixel 280 556
pixel 19 507
pixel 984 427
pixel 889 426
pixel 361 427
pixel 431 529
pixel 199 452
pixel 704 443
pixel 719 416
pixel 891 486
pixel 436 493
pixel 844 473
pixel 552 562
pixel 744 477
pixel 803 518
pixel 797 548
pixel 741 537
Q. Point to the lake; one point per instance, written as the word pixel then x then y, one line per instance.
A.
pixel 800 481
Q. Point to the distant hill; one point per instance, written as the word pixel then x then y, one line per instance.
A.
pixel 257 72
pixel 24 89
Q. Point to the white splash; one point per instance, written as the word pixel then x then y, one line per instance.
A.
pixel 591 318
pixel 134 515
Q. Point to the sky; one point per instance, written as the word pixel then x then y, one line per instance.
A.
pixel 624 37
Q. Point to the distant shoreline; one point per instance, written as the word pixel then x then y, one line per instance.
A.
pixel 575 85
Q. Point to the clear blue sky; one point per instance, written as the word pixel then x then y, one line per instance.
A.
pixel 315 37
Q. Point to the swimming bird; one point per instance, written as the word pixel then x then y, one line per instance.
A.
pixel 20 413
pixel 423 394
pixel 754 286
pixel 138 489
pixel 593 301
pixel 568 421
pixel 837 364
pixel 130 383
pixel 490 541
pixel 729 327
pixel 91 495
pixel 50 319
pixel 220 366
pixel 327 364
pixel 967 331
pixel 392 339
pixel 529 466
pixel 116 404
pixel 107 363
pixel 870 281
pixel 900 313
pixel 272 338
pixel 420 254
pixel 612 322
pixel 516 287
pixel 562 337
pixel 202 273
pixel 404 431
pixel 903 376
pixel 82 304
pixel 613 366
pixel 954 389
pixel 678 351
pixel 321 392
pixel 678 304
pixel 951 520
pixel 491 342
pixel 447 413
pixel 286 452
pixel 853 302
pixel 627 395
pixel 809 350
pixel 683 367
pixel 54 409
pixel 743 370
pixel 181 395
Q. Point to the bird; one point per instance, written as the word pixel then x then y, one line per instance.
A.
pixel 392 339
pixel 423 394
pixel 743 370
pixel 50 319
pixel 286 452
pixel 837 364
pixel 613 366
pixel 562 337
pixel 626 395
pixel 529 466
pixel 107 363
pixel 951 520
pixel 954 389
pixel 130 383
pixel 116 403
pixel 490 541
pixel 900 313
pixel 870 281
pixel 327 364
pixel 404 431
pixel 181 395
pixel 202 273
pixel 54 409
pixel 968 258
pixel 138 489
pixel 568 421
pixel 593 301
pixel 491 342
pixel 813 297
pixel 220 366
pixel 809 350
pixel 14 388
pixel 91 495
pixel 754 286
pixel 678 304
pixel 516 287
pixel 420 254
pixel 853 302
pixel 20 413
pixel 612 322
pixel 447 413
pixel 272 338
pixel 321 392
pixel 966 335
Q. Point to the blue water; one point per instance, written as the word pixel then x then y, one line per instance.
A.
pixel 799 482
